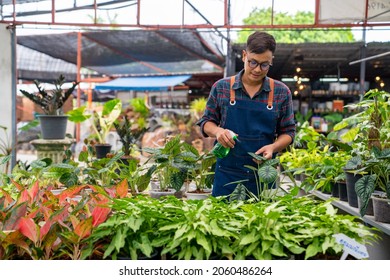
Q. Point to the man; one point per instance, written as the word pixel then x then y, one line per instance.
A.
pixel 256 108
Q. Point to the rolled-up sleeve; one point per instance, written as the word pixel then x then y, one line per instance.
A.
pixel 287 121
pixel 211 113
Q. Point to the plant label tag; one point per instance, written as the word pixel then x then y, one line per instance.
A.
pixel 351 247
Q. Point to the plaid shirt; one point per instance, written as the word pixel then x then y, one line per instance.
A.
pixel 220 93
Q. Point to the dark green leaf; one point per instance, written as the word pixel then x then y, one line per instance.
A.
pixel 354 163
pixel 364 188
pixel 268 174
pixel 239 193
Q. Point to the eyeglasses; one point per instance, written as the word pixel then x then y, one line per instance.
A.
pixel 264 66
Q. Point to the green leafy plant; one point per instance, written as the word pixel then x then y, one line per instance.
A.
pixel 51 102
pixel 137 175
pixel 172 162
pixel 202 173
pixel 266 176
pixel 5 149
pixel 368 132
pixel 376 175
pixel 198 106
pixel 101 122
pixel 300 228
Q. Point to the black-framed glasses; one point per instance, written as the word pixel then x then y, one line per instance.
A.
pixel 264 66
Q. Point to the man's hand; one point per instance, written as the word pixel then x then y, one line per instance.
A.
pixel 266 151
pixel 225 137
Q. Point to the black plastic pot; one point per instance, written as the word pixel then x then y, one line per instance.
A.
pixel 343 191
pixel 53 127
pixel 351 179
pixel 102 150
pixel 335 189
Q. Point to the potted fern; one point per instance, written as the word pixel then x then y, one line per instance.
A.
pixel 53 121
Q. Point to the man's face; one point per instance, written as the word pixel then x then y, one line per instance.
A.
pixel 256 65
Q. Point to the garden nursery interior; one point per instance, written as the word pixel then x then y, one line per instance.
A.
pixel 102 158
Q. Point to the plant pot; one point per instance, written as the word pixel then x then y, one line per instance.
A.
pixel 158 193
pixel 53 127
pixel 351 179
pixel 58 190
pixel 198 195
pixel 154 185
pixel 335 189
pixel 102 150
pixel 178 194
pixel 381 209
pixel 343 196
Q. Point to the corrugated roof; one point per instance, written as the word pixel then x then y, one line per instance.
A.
pixel 318 60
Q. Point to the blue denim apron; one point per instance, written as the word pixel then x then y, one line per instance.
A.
pixel 255 124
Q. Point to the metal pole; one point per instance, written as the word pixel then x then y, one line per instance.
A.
pixel 78 80
pixel 14 78
pixel 229 70
pixel 363 65
pixel 369 58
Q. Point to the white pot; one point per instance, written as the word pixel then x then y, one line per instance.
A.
pixel 58 191
pixel 198 196
pixel 157 193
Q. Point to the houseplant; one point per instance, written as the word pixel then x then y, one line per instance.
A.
pixel 6 147
pixel 129 134
pixel 132 125
pixel 53 121
pixel 369 130
pixel 376 178
pixel 266 177
pixel 172 162
pixel 202 175
pixel 101 122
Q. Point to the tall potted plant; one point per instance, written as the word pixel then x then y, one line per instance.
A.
pixel 53 121
pixel 101 123
pixel 369 135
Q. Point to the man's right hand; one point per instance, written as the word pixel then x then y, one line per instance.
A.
pixel 224 136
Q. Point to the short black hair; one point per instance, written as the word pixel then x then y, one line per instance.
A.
pixel 259 42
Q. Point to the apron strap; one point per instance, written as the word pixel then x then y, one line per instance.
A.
pixel 232 91
pixel 270 96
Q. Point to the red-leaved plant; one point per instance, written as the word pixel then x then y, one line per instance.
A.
pixel 41 225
